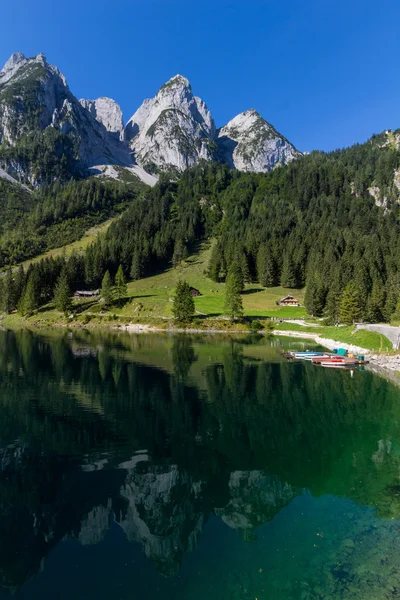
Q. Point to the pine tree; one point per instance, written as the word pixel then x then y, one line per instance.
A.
pixel 392 297
pixel 350 309
pixel 107 291
pixel 136 267
pixel 363 282
pixel 2 298
pixel 62 293
pixel 29 301
pixel 266 271
pixel 180 253
pixel 314 299
pixel 288 275
pixel 215 264
pixel 183 307
pixel 9 292
pixel 395 319
pixel 120 287
pixel 75 270
pixel 242 260
pixel 376 303
pixel 333 300
pixel 234 286
pixel 19 284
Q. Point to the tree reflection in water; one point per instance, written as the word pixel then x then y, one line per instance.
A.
pixel 157 433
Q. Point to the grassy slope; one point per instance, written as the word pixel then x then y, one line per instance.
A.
pixel 149 301
pixel 154 293
pixel 363 338
pixel 78 246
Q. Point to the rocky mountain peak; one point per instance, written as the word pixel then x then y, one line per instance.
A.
pixel 40 58
pixel 249 143
pixel 35 99
pixel 19 63
pixel 169 132
pixel 176 80
pixel 13 61
pixel 173 130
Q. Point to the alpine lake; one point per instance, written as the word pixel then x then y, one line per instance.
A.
pixel 180 467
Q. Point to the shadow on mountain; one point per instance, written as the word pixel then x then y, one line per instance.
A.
pixel 226 149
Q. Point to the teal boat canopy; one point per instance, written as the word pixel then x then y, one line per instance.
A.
pixel 341 351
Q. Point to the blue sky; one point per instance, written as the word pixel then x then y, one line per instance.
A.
pixel 326 73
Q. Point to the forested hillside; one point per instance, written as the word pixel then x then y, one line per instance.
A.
pixel 55 215
pixel 327 221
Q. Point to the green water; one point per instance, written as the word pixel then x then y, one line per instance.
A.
pixel 178 467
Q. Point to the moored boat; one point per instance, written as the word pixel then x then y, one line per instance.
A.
pixel 329 362
pixel 309 355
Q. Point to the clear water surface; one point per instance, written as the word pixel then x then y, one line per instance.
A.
pixel 183 468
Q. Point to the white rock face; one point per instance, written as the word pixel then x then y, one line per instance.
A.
pixel 249 143
pixel 108 113
pixel 26 81
pixel 375 192
pixel 381 200
pixel 174 130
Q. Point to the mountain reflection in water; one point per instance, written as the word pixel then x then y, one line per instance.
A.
pixel 175 443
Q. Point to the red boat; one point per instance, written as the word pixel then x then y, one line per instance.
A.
pixel 323 357
pixel 339 361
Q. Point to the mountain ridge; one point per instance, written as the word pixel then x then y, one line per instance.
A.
pixel 174 130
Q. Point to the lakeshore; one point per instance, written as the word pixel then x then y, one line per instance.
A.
pixel 384 363
pixel 379 362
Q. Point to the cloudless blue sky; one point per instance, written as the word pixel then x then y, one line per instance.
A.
pixel 326 73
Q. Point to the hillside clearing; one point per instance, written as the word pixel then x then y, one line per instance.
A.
pixel 77 246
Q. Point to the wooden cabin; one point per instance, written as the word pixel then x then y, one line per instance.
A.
pixel 194 292
pixel 289 301
pixel 87 294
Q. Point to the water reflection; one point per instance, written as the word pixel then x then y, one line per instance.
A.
pixel 160 436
